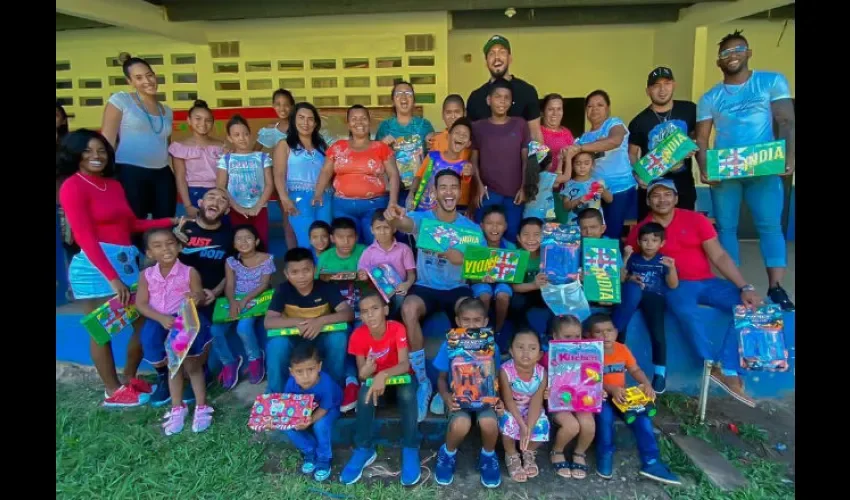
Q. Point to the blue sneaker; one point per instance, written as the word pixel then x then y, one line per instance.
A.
pixel 488 465
pixel 423 396
pixel 657 471
pixel 605 465
pixel 362 458
pixel 309 464
pixel 323 470
pixel 410 471
pixel 160 395
pixel 444 472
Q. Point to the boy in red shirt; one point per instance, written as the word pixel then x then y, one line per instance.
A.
pixel 619 360
pixel 381 351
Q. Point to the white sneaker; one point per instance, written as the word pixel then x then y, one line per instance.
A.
pixel 437 406
pixel 423 395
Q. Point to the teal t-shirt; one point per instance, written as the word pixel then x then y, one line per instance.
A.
pixel 331 262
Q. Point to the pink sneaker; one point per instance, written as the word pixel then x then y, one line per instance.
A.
pixel 202 419
pixel 256 370
pixel 174 419
pixel 126 397
pixel 229 375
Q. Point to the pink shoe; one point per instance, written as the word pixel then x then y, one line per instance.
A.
pixel 202 419
pixel 256 370
pixel 174 419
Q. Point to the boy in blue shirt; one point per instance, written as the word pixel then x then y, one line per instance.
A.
pixel 471 313
pixel 494 223
pixel 646 278
pixel 305 366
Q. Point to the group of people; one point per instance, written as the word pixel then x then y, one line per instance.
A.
pixel 354 203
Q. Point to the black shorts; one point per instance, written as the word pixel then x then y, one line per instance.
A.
pixel 440 300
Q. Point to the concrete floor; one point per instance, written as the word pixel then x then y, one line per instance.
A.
pixel 752 267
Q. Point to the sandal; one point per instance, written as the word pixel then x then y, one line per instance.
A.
pixel 515 468
pixel 579 471
pixel 529 458
pixel 562 467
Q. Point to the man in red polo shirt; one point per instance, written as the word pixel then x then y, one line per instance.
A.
pixel 692 242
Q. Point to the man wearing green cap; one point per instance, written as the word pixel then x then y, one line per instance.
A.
pixel 526 105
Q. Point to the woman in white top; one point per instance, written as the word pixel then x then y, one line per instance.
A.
pixel 138 127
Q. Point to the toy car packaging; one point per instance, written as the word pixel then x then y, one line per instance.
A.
pixel 761 338
pixel 474 379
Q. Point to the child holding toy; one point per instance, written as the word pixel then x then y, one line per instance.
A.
pixel 247 275
pixel 471 313
pixel 313 439
pixel 527 294
pixel 451 155
pixel 584 190
pixel 386 250
pixel 162 290
pixel 646 278
pixel 522 382
pixel 381 350
pixel 494 223
pixel 453 109
pixel 619 360
pixel 592 225
pixel 570 424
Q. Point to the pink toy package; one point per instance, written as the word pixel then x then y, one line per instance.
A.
pixel 280 411
pixel 575 375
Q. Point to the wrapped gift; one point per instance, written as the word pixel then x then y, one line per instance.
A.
pixel 560 253
pixel 255 307
pixel 293 330
pixel 386 279
pixel 110 318
pixel 671 151
pixel 437 236
pixel 182 336
pixel 750 161
pixel 601 265
pixel 761 338
pixel 575 375
pixel 474 379
pixel 280 411
pixel 501 264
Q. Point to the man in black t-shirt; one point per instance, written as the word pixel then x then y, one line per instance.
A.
pixel 497 52
pixel 656 122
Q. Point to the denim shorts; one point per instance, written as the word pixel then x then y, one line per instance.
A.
pixel 493 289
pixel 153 337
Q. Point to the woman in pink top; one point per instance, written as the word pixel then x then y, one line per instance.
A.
pixel 195 158
pixel 557 138
pixel 101 222
pixel 360 168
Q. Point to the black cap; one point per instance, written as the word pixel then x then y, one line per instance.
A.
pixel 657 74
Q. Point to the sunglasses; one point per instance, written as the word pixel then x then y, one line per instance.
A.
pixel 403 93
pixel 739 49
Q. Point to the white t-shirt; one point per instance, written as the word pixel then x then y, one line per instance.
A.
pixel 142 138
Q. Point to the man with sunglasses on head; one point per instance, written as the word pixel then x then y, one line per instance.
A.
pixel 743 108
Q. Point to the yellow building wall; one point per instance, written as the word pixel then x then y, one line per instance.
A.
pixel 571 61
pixel 341 39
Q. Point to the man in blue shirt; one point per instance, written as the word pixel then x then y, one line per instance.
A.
pixel 743 108
pixel 439 283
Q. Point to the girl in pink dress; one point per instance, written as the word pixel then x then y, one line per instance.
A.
pixel 195 158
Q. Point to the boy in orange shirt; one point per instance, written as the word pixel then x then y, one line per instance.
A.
pixel 619 360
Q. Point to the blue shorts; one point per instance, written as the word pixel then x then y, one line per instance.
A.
pixel 87 282
pixel 153 337
pixel 479 289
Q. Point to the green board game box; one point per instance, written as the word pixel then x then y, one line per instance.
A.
pixel 438 236
pixel 750 161
pixel 256 307
pixel 670 152
pixel 600 262
pixel 397 380
pixel 110 318
pixel 293 330
pixel 503 265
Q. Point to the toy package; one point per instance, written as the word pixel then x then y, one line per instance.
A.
pixel 423 199
pixel 256 307
pixel 338 276
pixel 437 236
pixel 503 265
pixel 575 375
pixel 182 335
pixel 386 279
pixel 761 338
pixel 110 318
pixel 293 330
pixel 637 402
pixel 408 157
pixel 601 264
pixel 280 411
pixel 671 151
pixel 566 300
pixel 560 252
pixel 474 380
pixel 750 161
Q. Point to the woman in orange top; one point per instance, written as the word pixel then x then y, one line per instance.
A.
pixel 361 169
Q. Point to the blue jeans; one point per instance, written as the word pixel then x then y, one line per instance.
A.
pixel 406 403
pixel 653 305
pixel 513 213
pixel 307 214
pixel 641 427
pixel 766 197
pixel 684 303
pixel 360 211
pixel 622 208
pixel 247 329
pixel 332 347
pixel 317 438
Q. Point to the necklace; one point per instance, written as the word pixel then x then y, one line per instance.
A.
pixel 148 115
pixel 663 118
pixel 101 189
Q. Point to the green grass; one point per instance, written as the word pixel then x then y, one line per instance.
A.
pixel 123 454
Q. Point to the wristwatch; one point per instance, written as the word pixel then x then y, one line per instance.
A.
pixel 748 288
